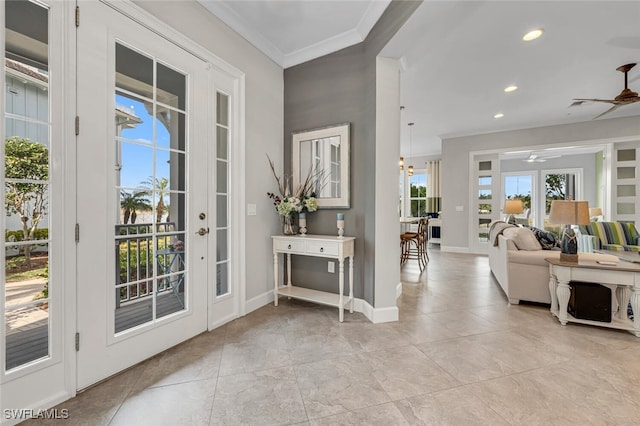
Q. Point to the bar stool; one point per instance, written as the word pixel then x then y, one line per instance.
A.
pixel 413 245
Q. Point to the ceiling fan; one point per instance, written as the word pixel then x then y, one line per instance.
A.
pixel 535 158
pixel 626 97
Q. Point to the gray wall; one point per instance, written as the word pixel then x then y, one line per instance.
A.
pixel 455 162
pixel 334 89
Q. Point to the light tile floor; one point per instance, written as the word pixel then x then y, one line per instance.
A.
pixel 460 355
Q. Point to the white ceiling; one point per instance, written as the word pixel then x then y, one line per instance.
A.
pixel 458 56
pixel 294 31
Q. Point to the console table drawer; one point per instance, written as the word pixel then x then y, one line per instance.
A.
pixel 291 246
pixel 317 248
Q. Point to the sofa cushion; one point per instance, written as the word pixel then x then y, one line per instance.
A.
pixel 523 238
pixel 547 240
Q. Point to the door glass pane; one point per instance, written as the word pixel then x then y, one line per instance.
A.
pixel 151 189
pixel 26 194
pixel 626 155
pixel 222 195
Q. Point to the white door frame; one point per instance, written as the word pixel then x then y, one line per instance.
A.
pixel 237 143
pixel 46 383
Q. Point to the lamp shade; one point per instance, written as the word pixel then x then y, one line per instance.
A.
pixel 513 206
pixel 595 211
pixel 566 212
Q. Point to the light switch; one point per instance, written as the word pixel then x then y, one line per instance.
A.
pixel 251 209
pixel 459 208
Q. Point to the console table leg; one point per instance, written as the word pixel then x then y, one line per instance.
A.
pixel 341 291
pixel 635 305
pixel 623 294
pixel 275 279
pixel 563 292
pixel 351 284
pixel 553 288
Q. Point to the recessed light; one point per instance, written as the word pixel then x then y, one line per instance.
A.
pixel 498 115
pixel 511 88
pixel 532 35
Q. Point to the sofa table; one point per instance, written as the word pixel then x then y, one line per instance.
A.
pixel 624 277
pixel 318 246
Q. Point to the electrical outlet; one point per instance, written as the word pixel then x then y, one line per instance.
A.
pixel 331 267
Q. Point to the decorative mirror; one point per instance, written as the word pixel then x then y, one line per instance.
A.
pixel 323 154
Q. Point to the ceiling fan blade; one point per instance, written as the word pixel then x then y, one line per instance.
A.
pixel 580 101
pixel 613 108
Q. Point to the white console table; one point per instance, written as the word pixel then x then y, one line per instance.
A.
pixel 318 246
pixel 624 278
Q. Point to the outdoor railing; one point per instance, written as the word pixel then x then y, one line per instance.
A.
pixel 136 264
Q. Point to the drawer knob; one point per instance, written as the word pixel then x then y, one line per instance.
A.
pixel 321 249
pixel 289 247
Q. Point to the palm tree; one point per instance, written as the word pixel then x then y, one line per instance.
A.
pixel 132 203
pixel 161 187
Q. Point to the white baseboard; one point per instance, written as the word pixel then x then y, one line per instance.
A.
pixel 453 249
pixel 258 301
pixel 374 315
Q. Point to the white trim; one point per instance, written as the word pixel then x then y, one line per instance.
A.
pixel 259 301
pixel 334 43
pixel 399 290
pixel 375 315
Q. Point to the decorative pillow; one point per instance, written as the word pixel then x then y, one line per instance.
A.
pixel 523 238
pixel 547 240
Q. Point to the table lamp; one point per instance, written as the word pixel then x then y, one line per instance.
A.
pixel 566 212
pixel 512 207
pixel 595 213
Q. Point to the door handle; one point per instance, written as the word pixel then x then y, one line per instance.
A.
pixel 202 231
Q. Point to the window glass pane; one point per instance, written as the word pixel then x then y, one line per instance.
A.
pixel 484 194
pixel 133 120
pixel 484 165
pixel 221 211
pixel 221 245
pixel 626 208
pixel 626 172
pixel 27 152
pixel 221 173
pixel 223 109
pixel 627 155
pixel 170 129
pixel 222 279
pixel 222 143
pixel 484 180
pixel 171 87
pixel 626 191
pixel 484 208
pixel 134 71
pixel 136 165
pixel 170 165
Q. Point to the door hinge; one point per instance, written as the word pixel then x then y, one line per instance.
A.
pixel 77 125
pixel 77 16
pixel 77 342
pixel 77 232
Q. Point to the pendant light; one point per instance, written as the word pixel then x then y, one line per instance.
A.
pixel 410 169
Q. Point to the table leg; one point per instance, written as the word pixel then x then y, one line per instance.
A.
pixel 563 293
pixel 623 294
pixel 553 288
pixel 341 290
pixel 289 269
pixel 635 305
pixel 351 284
pixel 275 279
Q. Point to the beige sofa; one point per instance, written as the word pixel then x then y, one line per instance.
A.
pixel 524 274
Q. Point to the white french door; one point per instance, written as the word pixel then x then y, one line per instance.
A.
pixel 144 215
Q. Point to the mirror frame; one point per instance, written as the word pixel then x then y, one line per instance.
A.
pixel 341 130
